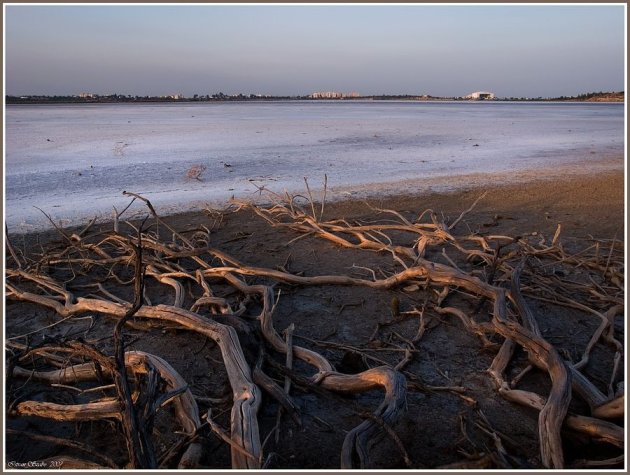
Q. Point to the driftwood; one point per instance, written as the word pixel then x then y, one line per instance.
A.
pixel 246 394
pixel 138 363
pixel 182 266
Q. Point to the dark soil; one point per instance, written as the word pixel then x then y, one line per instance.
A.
pixel 353 327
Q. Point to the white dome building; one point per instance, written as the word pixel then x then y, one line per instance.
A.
pixel 480 95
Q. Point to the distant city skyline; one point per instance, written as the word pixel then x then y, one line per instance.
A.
pixel 611 96
pixel 295 50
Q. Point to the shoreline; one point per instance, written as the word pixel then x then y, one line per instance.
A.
pixel 36 99
pixel 582 204
pixel 259 101
pixel 413 187
pixel 542 202
pixel 579 168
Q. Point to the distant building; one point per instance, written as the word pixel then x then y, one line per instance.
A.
pixel 326 95
pixel 88 95
pixel 480 95
pixel 333 95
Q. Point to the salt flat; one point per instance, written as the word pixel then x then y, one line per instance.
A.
pixel 74 161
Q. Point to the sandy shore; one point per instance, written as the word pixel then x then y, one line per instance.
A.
pixel 582 204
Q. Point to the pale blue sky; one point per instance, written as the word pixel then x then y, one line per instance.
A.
pixel 294 50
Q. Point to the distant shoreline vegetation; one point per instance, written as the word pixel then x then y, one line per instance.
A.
pixel 89 98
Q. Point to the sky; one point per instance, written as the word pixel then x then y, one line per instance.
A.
pixel 513 51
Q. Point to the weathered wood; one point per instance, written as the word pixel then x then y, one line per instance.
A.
pixel 602 431
pixel 186 409
pixel 357 442
pixel 394 383
pixel 611 410
pixel 246 395
pixel 138 441
pixel 109 409
pixel 270 386
pixel 211 263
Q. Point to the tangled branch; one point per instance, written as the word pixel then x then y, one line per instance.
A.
pixel 500 276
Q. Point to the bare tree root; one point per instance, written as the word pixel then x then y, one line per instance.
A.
pixel 394 384
pixel 540 352
pixel 489 282
pixel 138 362
pixel 246 394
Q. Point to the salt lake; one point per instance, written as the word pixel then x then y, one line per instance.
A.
pixel 74 161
